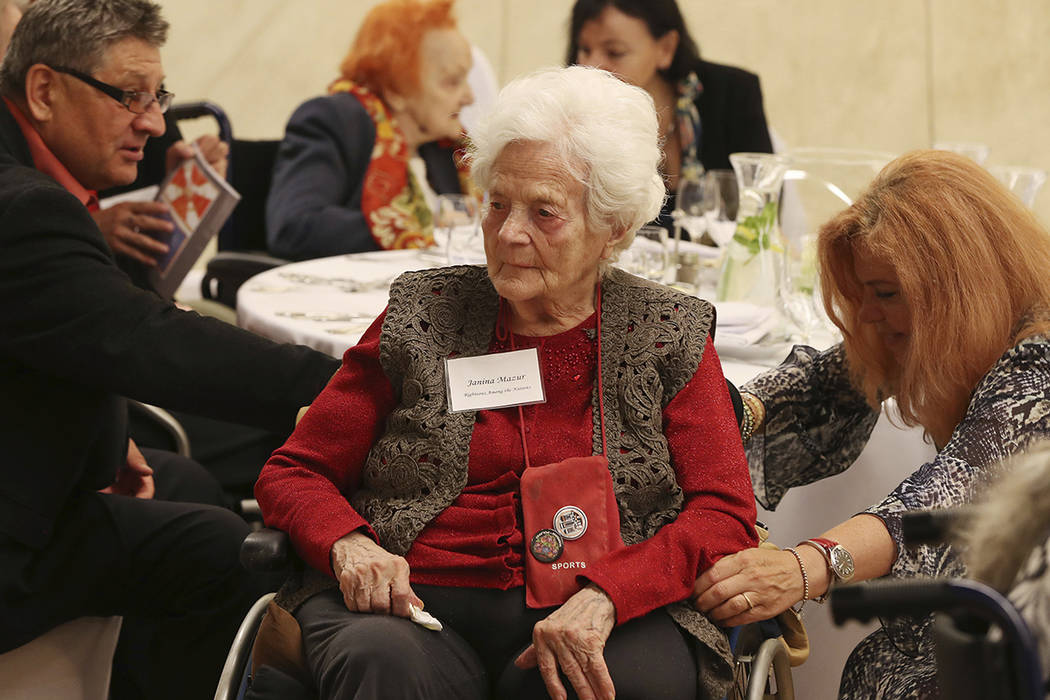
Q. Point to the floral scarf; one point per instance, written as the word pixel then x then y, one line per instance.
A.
pixel 391 200
pixel 689 127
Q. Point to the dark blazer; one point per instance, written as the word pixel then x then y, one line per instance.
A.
pixel 314 206
pixel 732 118
pixel 76 336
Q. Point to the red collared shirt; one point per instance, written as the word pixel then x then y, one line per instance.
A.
pixel 48 163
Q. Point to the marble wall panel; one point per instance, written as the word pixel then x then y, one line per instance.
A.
pixel 837 74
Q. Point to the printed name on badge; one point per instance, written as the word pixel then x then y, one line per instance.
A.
pixel 498 380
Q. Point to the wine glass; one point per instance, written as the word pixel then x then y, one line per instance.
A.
pixel 692 200
pixel 456 219
pixel 721 199
pixel 648 255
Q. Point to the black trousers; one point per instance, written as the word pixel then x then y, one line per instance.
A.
pixel 362 656
pixel 171 568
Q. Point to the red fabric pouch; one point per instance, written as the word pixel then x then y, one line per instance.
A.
pixel 571 521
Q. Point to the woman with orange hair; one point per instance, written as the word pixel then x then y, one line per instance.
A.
pixel 937 278
pixel 349 175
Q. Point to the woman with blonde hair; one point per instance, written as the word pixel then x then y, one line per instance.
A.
pixel 937 277
pixel 357 167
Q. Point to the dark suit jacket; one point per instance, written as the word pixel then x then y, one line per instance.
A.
pixel 731 114
pixel 314 206
pixel 76 336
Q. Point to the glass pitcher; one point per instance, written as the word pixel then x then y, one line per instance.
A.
pixel 751 266
pixel 820 182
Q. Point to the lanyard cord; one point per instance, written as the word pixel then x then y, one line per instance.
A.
pixel 502 332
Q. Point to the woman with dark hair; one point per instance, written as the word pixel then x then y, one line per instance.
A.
pixel 936 276
pixel 706 110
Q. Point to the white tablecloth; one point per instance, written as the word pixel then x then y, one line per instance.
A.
pixel 328 303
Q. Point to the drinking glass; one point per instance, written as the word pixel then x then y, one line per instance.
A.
pixel 721 202
pixel 648 255
pixel 692 202
pixel 456 219
pixel 1022 181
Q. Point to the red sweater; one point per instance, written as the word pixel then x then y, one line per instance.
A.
pixel 477 541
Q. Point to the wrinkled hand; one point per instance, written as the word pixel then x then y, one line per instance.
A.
pixel 126 226
pixel 770 578
pixel 136 478
pixel 215 152
pixel 573 638
pixel 372 579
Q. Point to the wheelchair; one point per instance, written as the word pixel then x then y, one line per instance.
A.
pixel 761 660
pixel 983 647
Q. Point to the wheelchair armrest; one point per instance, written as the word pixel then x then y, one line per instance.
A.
pixel 266 551
pixel 228 270
pixel 970 604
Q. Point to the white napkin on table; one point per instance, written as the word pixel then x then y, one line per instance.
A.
pixel 741 323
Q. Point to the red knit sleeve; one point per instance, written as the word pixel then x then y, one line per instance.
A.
pixel 718 515
pixel 304 486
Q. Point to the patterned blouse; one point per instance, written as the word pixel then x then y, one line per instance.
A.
pixel 817 423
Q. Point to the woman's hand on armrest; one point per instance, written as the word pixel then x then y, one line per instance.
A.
pixel 573 638
pixel 372 579
pixel 756 584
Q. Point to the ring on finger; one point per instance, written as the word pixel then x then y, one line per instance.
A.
pixel 750 605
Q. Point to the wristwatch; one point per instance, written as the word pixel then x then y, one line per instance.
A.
pixel 838 558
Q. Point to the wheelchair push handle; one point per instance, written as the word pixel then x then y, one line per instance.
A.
pixel 932 526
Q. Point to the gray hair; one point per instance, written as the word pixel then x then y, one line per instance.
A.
pixel 593 120
pixel 76 34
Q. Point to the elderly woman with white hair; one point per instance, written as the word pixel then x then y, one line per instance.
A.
pixel 404 485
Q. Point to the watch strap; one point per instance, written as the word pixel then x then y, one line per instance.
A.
pixel 824 546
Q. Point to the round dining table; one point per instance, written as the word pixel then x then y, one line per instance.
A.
pixel 328 303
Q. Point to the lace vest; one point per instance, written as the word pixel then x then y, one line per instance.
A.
pixel 652 343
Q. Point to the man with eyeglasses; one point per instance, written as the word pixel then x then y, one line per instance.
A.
pixel 79 532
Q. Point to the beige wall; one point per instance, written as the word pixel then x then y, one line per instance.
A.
pixel 890 75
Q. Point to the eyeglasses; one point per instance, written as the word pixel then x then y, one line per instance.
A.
pixel 134 101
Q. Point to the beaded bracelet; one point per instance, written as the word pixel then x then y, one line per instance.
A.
pixel 805 581
pixel 754 414
pixel 747 424
pixel 757 407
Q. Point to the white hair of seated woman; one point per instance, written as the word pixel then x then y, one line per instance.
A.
pixel 605 129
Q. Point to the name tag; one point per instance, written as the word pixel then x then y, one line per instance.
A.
pixel 492 381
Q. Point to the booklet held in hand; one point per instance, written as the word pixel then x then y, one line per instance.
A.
pixel 200 201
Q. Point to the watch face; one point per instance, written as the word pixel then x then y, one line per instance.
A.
pixel 841 563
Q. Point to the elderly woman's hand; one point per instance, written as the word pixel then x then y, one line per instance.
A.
pixel 372 579
pixel 573 638
pixel 753 584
